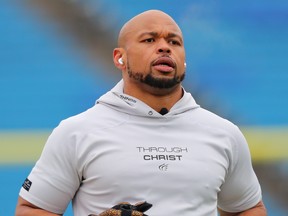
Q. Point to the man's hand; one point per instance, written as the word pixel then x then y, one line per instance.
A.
pixel 126 209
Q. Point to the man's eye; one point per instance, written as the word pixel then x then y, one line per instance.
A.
pixel 149 40
pixel 175 42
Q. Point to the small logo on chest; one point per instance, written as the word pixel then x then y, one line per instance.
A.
pixel 163 167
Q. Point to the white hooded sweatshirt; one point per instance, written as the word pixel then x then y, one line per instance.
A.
pixel 185 162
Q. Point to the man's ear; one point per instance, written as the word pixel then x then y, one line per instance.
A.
pixel 119 58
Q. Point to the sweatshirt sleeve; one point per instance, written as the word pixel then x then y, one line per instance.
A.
pixel 241 189
pixel 54 179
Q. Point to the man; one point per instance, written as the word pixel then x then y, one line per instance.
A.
pixel 145 140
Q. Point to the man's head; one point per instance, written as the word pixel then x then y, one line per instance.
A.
pixel 151 51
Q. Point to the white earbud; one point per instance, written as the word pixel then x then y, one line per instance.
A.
pixel 120 60
pixel 185 64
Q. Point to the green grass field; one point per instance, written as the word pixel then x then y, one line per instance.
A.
pixel 265 144
pixel 21 146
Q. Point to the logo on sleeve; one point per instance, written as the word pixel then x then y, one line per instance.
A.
pixel 27 184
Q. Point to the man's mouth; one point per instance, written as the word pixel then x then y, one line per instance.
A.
pixel 164 64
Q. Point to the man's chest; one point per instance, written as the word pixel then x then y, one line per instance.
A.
pixel 186 162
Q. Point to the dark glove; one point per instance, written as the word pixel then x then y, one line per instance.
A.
pixel 126 209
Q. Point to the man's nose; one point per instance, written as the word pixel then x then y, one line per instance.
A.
pixel 163 47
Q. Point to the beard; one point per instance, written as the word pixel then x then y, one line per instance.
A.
pixel 152 81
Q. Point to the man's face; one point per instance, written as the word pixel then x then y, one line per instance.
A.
pixel 155 53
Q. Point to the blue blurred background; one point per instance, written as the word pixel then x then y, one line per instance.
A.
pixel 56 60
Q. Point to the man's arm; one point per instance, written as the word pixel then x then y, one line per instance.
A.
pixel 25 208
pixel 257 210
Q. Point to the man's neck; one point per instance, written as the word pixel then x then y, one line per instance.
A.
pixel 155 98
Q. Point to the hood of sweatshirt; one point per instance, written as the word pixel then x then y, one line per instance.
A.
pixel 117 100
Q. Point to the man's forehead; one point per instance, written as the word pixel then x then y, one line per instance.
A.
pixel 154 29
pixel 158 34
pixel 150 21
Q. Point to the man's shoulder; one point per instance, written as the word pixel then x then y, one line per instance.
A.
pixel 96 117
pixel 213 120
